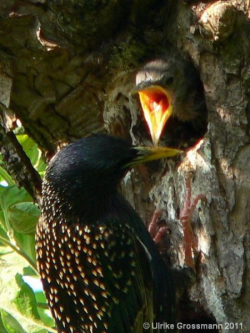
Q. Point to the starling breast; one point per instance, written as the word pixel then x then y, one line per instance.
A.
pixel 100 269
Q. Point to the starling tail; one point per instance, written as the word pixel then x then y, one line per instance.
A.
pixel 100 269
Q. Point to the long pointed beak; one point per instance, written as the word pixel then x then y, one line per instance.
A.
pixel 157 106
pixel 146 154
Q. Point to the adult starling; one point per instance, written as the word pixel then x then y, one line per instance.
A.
pixel 99 266
pixel 170 86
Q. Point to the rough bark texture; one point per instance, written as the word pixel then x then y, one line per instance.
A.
pixel 67 69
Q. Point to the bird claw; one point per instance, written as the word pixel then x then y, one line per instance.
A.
pixel 156 233
pixel 159 235
pixel 190 242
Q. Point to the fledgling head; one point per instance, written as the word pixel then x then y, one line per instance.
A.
pixel 169 86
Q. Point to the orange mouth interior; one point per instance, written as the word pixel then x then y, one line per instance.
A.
pixel 157 107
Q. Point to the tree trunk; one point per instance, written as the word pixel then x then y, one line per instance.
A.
pixel 67 68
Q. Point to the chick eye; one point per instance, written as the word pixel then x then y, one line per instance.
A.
pixel 169 80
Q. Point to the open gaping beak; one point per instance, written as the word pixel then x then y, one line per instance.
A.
pixel 157 106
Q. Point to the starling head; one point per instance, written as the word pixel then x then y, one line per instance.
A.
pixel 168 87
pixel 93 167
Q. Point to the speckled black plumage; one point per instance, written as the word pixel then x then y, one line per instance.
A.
pixel 100 269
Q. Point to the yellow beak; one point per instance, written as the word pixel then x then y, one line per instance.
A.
pixel 146 154
pixel 157 106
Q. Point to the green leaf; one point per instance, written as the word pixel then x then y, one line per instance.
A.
pixel 29 271
pixel 27 244
pixel 23 217
pixel 10 323
pixel 22 309
pixel 43 309
pixel 11 195
pixel 2 328
pixel 18 219
pixel 25 299
pixel 5 176
pixel 29 147
pixel 3 233
pixel 33 152
pixel 10 265
pixel 2 220
pixel 4 250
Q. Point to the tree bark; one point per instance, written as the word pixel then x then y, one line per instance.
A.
pixel 67 69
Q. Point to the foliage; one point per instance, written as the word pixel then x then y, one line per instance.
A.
pixel 23 309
